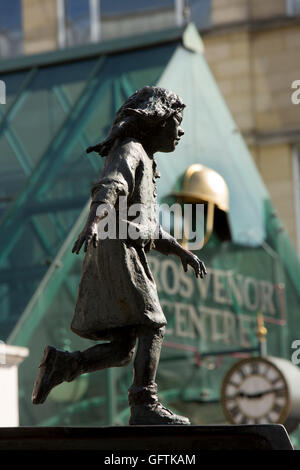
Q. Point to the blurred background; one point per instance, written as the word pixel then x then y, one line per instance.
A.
pixel 252 48
pixel 67 66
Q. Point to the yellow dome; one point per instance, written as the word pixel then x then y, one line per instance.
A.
pixel 204 184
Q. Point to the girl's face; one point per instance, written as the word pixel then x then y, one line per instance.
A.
pixel 166 136
pixel 169 134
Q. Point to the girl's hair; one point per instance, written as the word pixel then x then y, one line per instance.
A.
pixel 139 115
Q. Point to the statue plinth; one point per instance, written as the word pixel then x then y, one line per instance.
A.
pixel 151 438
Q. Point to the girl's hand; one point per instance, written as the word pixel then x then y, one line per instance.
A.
pixel 88 235
pixel 90 232
pixel 188 258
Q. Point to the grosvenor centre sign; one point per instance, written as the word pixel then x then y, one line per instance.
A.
pixel 221 308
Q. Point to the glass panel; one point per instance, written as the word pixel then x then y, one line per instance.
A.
pixel 293 7
pixel 10 28
pixel 77 20
pixel 200 13
pixel 12 176
pixel 50 97
pixel 36 101
pixel 297 7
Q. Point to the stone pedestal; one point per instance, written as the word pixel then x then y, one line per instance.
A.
pixel 10 358
pixel 192 439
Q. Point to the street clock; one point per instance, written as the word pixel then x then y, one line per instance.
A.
pixel 261 390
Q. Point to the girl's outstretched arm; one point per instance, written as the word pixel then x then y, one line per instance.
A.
pixel 168 245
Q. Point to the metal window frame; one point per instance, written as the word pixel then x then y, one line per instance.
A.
pixel 61 23
pixel 296 180
pixel 179 12
pixel 291 8
pixel 94 21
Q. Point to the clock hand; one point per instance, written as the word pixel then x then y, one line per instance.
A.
pixel 242 394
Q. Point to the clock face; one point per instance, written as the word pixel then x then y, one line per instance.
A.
pixel 254 391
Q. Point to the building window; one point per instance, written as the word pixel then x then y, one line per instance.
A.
pixel 123 18
pixel 293 7
pixel 77 21
pixel 94 20
pixel 11 35
pixel 199 12
pixel 296 173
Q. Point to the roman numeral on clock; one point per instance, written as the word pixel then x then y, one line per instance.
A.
pixel 235 411
pixel 277 408
pixel 274 381
pixel 242 373
pixel 234 384
pixel 254 368
pixel 280 392
pixel 269 418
